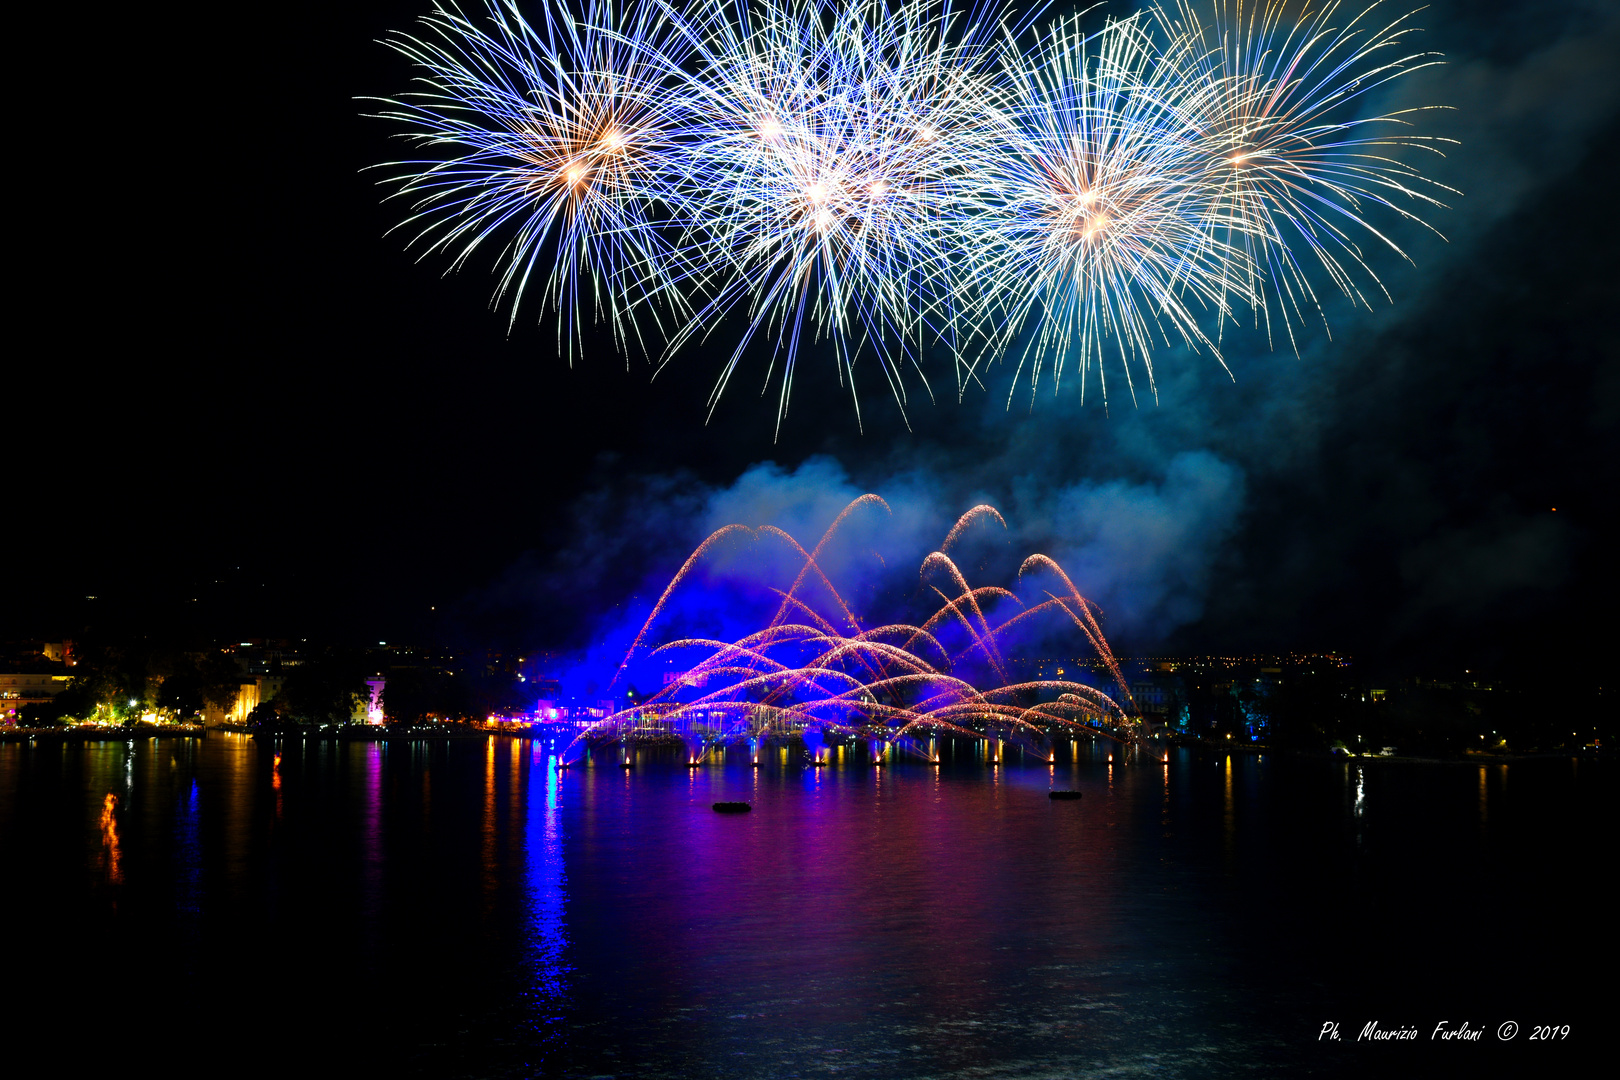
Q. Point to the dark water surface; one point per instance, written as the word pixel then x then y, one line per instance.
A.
pixel 463 909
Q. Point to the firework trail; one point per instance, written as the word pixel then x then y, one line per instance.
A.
pixel 901 181
pixel 983 510
pixel 715 538
pixel 815 666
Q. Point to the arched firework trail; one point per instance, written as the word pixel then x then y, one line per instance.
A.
pixel 901 181
pixel 814 669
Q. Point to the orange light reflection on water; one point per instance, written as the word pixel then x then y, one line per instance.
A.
pixel 109 836
pixel 275 782
pixel 1230 825
pixel 488 852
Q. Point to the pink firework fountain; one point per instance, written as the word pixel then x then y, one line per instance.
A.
pixel 813 674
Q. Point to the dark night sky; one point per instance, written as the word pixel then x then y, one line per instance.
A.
pixel 231 386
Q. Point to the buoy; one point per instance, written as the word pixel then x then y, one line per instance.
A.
pixel 732 808
pixel 1062 794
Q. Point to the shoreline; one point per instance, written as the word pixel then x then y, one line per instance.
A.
pixel 75 734
pixel 368 734
pixel 1468 757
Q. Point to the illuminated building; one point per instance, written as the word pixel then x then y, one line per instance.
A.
pixel 370 709
pixel 20 689
pixel 59 651
pixel 251 692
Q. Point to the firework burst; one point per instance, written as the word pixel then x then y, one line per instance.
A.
pixel 1099 230
pixel 1289 165
pixel 552 142
pixel 893 180
pixel 830 151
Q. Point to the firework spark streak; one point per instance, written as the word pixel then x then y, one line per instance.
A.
pixel 814 666
pixel 897 180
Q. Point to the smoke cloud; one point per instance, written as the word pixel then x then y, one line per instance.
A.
pixel 1378 491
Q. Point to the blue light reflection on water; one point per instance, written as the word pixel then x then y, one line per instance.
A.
pixel 189 851
pixel 545 881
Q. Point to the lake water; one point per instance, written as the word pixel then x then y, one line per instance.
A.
pixel 464 909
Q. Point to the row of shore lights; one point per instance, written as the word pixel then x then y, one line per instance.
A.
pixel 877 761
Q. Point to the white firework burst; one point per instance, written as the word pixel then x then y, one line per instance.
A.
pixel 551 143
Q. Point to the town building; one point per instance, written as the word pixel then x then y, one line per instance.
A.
pixel 20 689
pixel 251 692
pixel 370 709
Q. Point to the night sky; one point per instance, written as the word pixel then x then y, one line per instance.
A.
pixel 243 410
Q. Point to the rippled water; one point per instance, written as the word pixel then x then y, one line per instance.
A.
pixel 463 908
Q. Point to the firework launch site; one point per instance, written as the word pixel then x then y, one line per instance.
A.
pixel 751 651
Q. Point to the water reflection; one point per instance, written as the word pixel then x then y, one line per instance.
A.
pixel 905 922
pixel 371 840
pixel 275 781
pixel 543 846
pixel 427 783
pixel 1228 820
pixel 109 837
pixel 188 830
pixel 1164 804
pixel 487 847
pixel 1359 808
